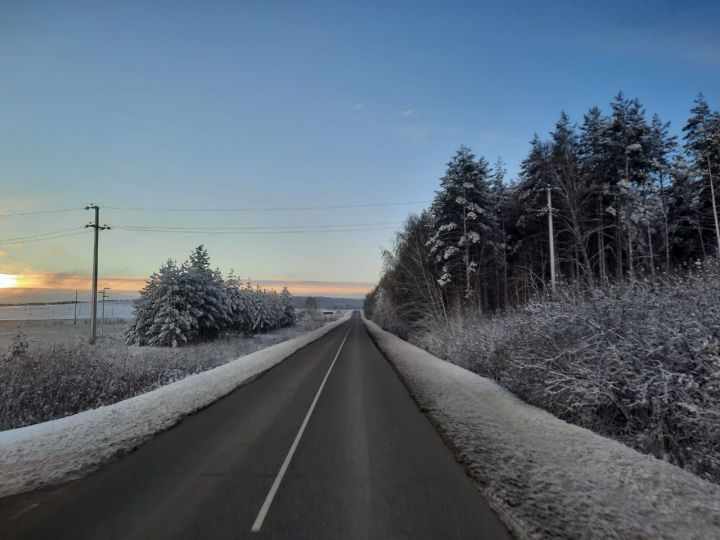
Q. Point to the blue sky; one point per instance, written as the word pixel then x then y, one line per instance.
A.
pixel 264 104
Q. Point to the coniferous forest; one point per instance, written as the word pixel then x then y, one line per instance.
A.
pixel 628 199
pixel 620 334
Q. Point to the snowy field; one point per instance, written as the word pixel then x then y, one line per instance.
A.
pixel 116 309
pixel 57 331
pixel 547 478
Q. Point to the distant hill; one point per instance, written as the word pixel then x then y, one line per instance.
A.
pixel 327 302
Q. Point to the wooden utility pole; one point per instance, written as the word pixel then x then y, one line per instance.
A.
pixel 551 237
pixel 93 297
pixel 714 207
pixel 75 317
pixel 102 318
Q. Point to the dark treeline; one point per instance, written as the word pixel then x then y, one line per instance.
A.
pixel 628 199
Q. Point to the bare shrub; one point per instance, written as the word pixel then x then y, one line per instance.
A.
pixel 18 347
pixel 639 362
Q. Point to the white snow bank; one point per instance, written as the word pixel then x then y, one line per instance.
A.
pixel 547 478
pixel 62 449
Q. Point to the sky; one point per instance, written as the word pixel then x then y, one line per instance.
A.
pixel 279 108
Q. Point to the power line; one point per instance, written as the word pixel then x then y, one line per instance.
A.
pixel 257 227
pixel 33 265
pixel 34 212
pixel 42 239
pixel 20 238
pixel 264 209
pixel 248 232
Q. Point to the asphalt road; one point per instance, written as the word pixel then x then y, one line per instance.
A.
pixel 326 445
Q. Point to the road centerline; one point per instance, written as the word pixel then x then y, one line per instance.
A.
pixel 257 524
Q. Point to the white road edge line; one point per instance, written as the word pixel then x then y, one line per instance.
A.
pixel 24 511
pixel 281 474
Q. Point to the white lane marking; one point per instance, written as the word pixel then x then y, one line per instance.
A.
pixel 281 474
pixel 23 511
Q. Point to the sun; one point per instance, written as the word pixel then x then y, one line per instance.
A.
pixel 8 281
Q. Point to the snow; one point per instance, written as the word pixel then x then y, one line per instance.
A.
pixel 547 478
pixel 116 309
pixel 63 449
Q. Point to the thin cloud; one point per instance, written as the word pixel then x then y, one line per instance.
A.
pixel 415 133
pixel 357 106
pixel 406 112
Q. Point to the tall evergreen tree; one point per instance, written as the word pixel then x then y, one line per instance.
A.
pixel 702 143
pixel 207 302
pixel 462 219
pixel 161 314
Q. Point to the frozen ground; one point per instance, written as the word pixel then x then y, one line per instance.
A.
pixel 547 478
pixel 57 331
pixel 61 449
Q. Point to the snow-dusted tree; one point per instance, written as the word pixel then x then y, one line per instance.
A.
pixel 170 325
pixel 193 303
pixel 461 221
pixel 161 314
pixel 627 147
pixel 661 147
pixel 572 200
pixel 288 308
pixel 529 210
pixel 687 213
pixel 594 168
pixel 238 304
pixel 205 295
pixel 702 143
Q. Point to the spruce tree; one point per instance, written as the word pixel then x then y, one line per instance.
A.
pixel 702 143
pixel 462 220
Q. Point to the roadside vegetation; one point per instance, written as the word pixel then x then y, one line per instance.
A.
pixel 192 302
pixel 626 342
pixel 215 320
pixel 45 381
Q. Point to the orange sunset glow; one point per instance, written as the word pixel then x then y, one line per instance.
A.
pixel 131 285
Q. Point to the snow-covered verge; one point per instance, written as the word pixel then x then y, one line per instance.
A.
pixel 637 361
pixel 62 449
pixel 547 478
pixel 45 379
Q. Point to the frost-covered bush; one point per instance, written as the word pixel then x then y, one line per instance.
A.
pixel 193 303
pixel 18 347
pixel 638 362
pixel 54 381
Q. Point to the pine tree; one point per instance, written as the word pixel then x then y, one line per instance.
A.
pixel 288 308
pixel 207 303
pixel 627 142
pixel 662 146
pixel 462 219
pixel 573 199
pixel 530 211
pixel 594 169
pixel 702 143
pixel 161 316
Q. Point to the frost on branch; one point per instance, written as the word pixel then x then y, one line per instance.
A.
pixel 639 362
